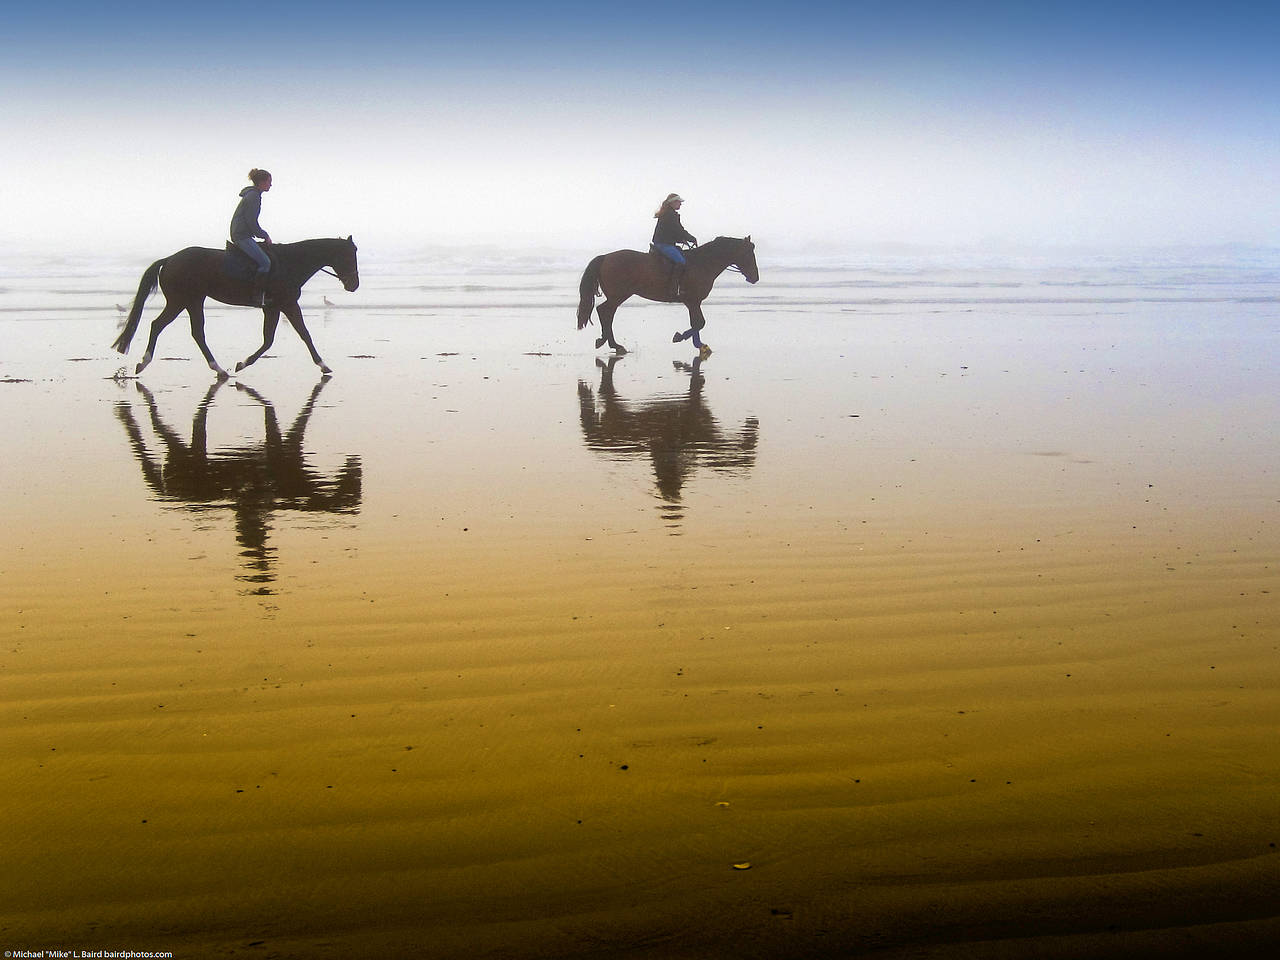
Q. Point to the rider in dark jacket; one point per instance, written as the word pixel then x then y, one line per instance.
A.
pixel 245 228
pixel 666 234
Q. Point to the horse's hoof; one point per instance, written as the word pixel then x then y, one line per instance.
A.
pixel 619 349
pixel 677 337
pixel 600 343
pixel 325 370
pixel 239 366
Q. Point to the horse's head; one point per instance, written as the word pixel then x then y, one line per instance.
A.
pixel 343 262
pixel 745 260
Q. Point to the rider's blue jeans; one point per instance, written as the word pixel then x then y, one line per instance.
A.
pixel 255 254
pixel 671 252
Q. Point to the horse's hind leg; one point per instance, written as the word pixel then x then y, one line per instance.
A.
pixel 196 312
pixel 159 323
pixel 293 313
pixel 270 319
pixel 605 311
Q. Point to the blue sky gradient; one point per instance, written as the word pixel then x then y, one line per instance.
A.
pixel 563 124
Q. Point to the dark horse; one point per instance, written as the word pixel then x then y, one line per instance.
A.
pixel 624 273
pixel 191 275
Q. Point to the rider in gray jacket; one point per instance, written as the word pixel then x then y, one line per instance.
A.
pixel 245 229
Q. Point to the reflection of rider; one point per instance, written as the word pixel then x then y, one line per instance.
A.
pixel 667 234
pixel 245 229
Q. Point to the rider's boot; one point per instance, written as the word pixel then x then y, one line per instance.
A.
pixel 673 282
pixel 258 295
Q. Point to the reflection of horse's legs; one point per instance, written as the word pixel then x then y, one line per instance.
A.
pixel 159 323
pixel 196 312
pixel 199 448
pixel 270 318
pixel 696 323
pixel 270 425
pixel 293 313
pixel 606 311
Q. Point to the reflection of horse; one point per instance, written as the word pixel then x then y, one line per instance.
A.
pixel 624 273
pixel 676 434
pixel 253 482
pixel 189 276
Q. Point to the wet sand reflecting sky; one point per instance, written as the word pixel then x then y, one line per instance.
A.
pixel 940 603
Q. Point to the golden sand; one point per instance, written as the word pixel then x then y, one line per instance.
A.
pixel 1047 743
pixel 877 691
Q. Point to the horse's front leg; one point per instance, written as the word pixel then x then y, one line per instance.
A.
pixel 696 322
pixel 293 313
pixel 270 319
pixel 606 311
pixel 196 312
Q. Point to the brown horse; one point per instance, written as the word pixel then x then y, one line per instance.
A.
pixel 624 273
pixel 189 276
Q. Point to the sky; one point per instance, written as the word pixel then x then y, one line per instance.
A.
pixel 562 125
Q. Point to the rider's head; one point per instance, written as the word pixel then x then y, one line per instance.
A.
pixel 261 178
pixel 673 201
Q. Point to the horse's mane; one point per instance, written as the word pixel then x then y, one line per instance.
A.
pixel 313 242
pixel 301 248
pixel 715 244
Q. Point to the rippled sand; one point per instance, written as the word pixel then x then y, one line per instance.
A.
pixel 913 623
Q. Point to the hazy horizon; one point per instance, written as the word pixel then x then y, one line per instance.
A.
pixel 811 126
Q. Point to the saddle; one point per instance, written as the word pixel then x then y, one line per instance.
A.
pixel 661 258
pixel 655 252
pixel 237 263
pixel 674 271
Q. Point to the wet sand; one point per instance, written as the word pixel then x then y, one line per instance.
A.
pixel 922 619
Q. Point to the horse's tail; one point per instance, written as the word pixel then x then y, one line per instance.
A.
pixel 587 290
pixel 146 287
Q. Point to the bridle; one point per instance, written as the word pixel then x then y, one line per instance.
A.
pixel 733 267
